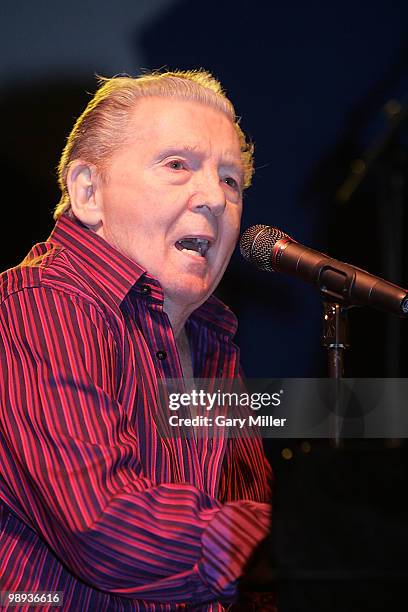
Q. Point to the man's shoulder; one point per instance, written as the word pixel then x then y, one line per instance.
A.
pixel 47 266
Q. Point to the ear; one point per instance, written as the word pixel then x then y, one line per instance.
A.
pixel 82 184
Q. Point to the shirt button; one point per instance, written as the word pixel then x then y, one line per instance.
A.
pixel 146 290
pixel 161 355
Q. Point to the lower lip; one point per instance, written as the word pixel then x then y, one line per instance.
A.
pixel 193 258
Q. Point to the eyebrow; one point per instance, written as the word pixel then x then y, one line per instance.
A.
pixel 229 160
pixel 173 150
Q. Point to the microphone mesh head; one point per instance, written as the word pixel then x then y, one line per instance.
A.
pixel 256 245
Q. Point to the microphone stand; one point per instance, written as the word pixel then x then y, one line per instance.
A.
pixel 335 336
pixel 336 340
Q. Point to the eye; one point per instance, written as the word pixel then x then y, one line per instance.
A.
pixel 231 182
pixel 175 164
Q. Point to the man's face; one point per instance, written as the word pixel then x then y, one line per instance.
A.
pixel 172 200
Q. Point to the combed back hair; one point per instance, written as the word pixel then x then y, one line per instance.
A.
pixel 101 129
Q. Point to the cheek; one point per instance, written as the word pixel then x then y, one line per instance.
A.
pixel 122 212
pixel 232 227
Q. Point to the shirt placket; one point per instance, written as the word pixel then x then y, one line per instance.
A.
pixel 157 331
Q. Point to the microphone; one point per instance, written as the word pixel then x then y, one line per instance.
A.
pixel 270 249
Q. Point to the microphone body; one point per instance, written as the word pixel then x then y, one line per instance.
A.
pixel 272 250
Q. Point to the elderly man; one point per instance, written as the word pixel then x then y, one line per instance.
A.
pixel 94 502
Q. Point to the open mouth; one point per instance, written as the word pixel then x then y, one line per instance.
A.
pixel 195 246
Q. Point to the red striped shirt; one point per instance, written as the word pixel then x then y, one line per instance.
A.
pixel 94 502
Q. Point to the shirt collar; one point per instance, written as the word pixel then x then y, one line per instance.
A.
pixel 113 272
pixel 116 274
pixel 218 315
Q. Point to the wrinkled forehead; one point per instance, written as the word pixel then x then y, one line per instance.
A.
pixel 168 121
pixel 151 111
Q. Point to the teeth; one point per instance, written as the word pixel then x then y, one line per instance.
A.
pixel 196 253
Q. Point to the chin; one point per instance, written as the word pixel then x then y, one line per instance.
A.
pixel 188 292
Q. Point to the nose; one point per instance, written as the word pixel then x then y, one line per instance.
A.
pixel 209 195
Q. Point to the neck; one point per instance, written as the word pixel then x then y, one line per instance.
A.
pixel 177 316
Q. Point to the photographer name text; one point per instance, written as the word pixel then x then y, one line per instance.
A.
pixel 223 421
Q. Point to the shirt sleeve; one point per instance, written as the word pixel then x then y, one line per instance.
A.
pixel 76 476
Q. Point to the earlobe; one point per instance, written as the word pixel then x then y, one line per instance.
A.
pixel 82 184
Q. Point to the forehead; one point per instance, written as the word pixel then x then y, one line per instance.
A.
pixel 157 121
